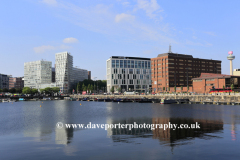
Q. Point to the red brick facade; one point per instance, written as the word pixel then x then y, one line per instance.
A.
pixel 171 69
pixel 206 81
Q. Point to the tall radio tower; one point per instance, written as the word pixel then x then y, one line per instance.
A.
pixel 231 57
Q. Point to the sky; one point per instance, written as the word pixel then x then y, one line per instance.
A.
pixel 94 30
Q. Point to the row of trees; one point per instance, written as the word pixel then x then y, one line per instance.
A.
pixel 12 90
pixel 91 85
pixel 28 90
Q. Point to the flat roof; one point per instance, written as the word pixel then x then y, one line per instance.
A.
pixel 182 56
pixel 213 75
pixel 121 57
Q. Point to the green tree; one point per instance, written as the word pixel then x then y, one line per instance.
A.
pixel 181 88
pixel 163 88
pixel 48 90
pixel 79 88
pixel 83 87
pixel 175 88
pixel 55 89
pixel 232 86
pixel 26 90
pixel 0 90
pixel 12 90
pixel 223 87
pixel 42 91
pixel 34 91
pixel 91 88
pixel 168 88
pixel 112 89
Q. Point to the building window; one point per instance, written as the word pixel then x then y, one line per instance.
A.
pixel 210 79
pixel 130 71
pixel 139 64
pixel 113 63
pixel 132 64
pixel 138 71
pixel 143 64
pixel 198 80
pixel 121 63
pixel 117 63
pixel 144 71
pixel 129 65
pixel 125 63
pixel 136 64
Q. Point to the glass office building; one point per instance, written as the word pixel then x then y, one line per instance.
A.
pixel 129 74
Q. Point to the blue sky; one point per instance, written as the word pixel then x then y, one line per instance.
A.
pixel 94 30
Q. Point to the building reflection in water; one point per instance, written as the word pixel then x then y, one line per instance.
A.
pixel 233 127
pixel 168 136
pixel 180 136
pixel 63 113
pixel 40 121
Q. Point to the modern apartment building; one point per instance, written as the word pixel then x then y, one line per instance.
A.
pixel 172 69
pixel 36 73
pixel 129 74
pixel 40 74
pixel 64 71
pixel 4 81
pixel 16 82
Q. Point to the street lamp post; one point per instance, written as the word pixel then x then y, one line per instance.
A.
pixel 94 79
pixel 187 80
pixel 175 81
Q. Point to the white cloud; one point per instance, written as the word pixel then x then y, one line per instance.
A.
pixel 210 33
pixel 124 17
pixel 70 40
pixel 42 49
pixel 49 2
pixel 45 48
pixel 103 19
pixel 150 7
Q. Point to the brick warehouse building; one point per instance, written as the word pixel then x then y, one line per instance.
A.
pixel 16 82
pixel 206 81
pixel 172 69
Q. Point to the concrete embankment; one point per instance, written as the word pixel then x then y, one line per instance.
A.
pixel 192 98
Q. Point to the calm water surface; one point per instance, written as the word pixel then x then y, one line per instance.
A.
pixel 28 131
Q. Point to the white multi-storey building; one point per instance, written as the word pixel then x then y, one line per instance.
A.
pixel 37 73
pixel 63 71
pixel 129 74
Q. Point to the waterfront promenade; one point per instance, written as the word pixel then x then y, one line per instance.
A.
pixel 224 98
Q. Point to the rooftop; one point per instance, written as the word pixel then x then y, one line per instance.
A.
pixel 121 57
pixel 213 75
